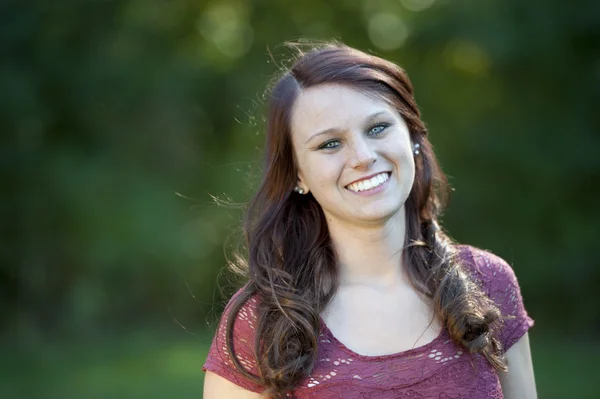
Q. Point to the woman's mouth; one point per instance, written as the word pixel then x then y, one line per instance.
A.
pixel 369 185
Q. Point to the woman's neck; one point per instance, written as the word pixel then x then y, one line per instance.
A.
pixel 370 255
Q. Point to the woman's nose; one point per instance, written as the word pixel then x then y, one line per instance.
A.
pixel 362 154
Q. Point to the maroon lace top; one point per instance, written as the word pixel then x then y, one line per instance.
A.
pixel 439 369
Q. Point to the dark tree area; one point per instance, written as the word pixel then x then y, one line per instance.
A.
pixel 121 120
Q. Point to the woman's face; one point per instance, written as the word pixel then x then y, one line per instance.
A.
pixel 353 152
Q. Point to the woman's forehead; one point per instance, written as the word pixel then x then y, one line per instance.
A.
pixel 334 106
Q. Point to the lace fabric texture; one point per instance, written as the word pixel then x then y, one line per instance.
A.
pixel 440 369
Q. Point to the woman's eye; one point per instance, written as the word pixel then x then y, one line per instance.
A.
pixel 329 145
pixel 375 130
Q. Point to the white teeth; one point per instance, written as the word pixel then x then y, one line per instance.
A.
pixel 369 184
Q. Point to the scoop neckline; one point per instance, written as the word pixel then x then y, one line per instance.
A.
pixel 441 337
pixel 326 331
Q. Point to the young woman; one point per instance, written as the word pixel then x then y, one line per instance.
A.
pixel 354 289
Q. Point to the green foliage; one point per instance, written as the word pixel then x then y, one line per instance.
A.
pixel 121 119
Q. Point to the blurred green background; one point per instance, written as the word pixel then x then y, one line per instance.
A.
pixel 120 121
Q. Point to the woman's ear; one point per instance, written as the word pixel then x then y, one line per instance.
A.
pixel 301 185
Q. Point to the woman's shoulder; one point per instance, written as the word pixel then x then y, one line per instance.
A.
pixel 498 281
pixel 247 314
pixel 492 271
pixel 242 333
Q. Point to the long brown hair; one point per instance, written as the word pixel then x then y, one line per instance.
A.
pixel 291 264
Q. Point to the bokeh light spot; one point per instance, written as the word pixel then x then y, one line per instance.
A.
pixel 387 31
pixel 467 56
pixel 227 27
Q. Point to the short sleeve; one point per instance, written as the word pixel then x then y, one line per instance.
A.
pixel 219 359
pixel 499 282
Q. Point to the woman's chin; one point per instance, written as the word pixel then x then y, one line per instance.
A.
pixel 378 212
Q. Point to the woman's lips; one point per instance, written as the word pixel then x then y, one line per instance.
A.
pixel 374 181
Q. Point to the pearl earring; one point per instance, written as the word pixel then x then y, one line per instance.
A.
pixel 299 190
pixel 417 146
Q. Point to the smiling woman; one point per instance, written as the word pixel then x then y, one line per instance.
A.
pixel 362 139
pixel 354 290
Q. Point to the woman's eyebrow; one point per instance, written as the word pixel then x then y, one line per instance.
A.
pixel 368 119
pixel 326 131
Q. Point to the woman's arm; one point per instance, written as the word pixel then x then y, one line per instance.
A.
pixel 217 387
pixel 519 381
